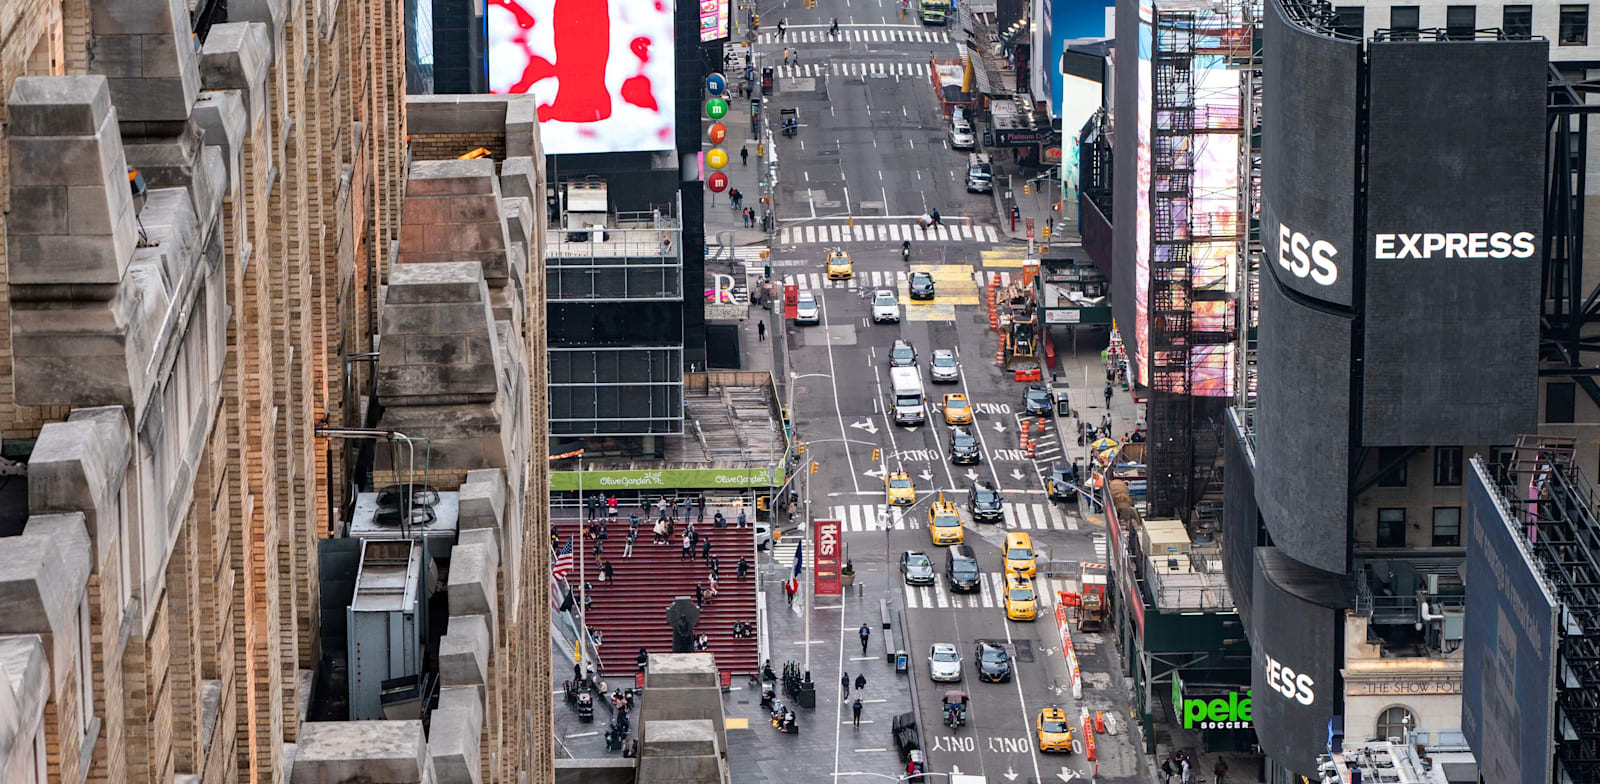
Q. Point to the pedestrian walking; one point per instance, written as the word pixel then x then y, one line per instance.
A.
pixel 627 548
pixel 744 156
pixel 761 331
pixel 866 634
pixel 694 536
pixel 705 551
pixel 783 27
pixel 855 711
pixel 1108 395
pixel 1184 774
pixel 861 681
pixel 658 534
pixel 844 680
pixel 833 32
pixel 788 592
pixel 688 549
pixel 699 595
pixel 786 56
pixel 1220 770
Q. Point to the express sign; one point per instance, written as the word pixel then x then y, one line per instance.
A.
pixel 828 551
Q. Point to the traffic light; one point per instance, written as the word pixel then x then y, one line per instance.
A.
pixel 875 454
pixel 1047 232
pixel 1026 189
pixel 799 447
pixel 762 502
pixel 814 466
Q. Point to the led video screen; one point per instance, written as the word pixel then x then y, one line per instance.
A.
pixel 602 70
pixel 1141 192
pixel 713 20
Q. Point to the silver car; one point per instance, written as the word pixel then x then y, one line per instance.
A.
pixel 885 306
pixel 806 309
pixel 944 664
pixel 945 367
pixel 961 135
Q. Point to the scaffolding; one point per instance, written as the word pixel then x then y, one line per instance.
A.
pixel 1191 321
pixel 1558 505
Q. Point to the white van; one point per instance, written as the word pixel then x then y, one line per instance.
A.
pixel 908 405
pixel 980 174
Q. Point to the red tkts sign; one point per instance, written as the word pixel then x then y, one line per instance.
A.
pixel 828 549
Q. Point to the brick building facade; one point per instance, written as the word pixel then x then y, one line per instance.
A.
pixel 170 341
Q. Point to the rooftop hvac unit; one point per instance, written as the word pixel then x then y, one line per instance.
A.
pixel 387 621
pixel 431 517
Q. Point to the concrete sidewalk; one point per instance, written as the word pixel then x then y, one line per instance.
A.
pixel 723 222
pixel 1038 203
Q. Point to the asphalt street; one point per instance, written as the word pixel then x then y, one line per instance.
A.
pixel 870 156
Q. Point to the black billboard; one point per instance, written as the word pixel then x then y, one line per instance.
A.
pixel 1240 520
pixel 1295 658
pixel 1308 158
pixel 1302 419
pixel 1455 175
pixel 1508 688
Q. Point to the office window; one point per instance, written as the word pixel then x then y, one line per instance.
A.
pixel 1518 21
pixel 1574 28
pixel 1460 21
pixel 1388 455
pixel 1404 18
pixel 1447 466
pixel 1391 528
pixel 1394 723
pixel 1500 462
pixel 1447 526
pixel 1350 21
pixel 1560 402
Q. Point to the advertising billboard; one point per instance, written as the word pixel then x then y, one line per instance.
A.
pixel 602 70
pixel 713 20
pixel 1294 643
pixel 1061 21
pixel 1303 399
pixel 1240 519
pixel 829 548
pixel 1130 230
pixel 1455 215
pixel 1508 650
pixel 1308 158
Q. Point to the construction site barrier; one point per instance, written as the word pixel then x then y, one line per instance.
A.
pixel 1066 645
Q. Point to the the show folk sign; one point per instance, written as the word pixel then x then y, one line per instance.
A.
pixel 828 548
pixel 667 479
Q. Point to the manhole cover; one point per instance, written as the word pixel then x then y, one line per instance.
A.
pixel 1024 651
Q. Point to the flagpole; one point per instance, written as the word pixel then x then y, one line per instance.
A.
pixel 811 578
pixel 583 618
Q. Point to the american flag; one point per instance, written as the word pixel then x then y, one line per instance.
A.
pixel 563 562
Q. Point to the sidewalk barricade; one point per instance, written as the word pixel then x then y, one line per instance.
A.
pixel 1066 644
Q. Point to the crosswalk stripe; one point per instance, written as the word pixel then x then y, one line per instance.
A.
pixel 811 235
pixel 990 231
pixel 838 234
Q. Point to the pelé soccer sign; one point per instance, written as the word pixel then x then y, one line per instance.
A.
pixel 1216 713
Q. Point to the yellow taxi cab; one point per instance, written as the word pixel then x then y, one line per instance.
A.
pixel 944 522
pixel 839 265
pixel 1018 554
pixel 957 411
pixel 901 491
pixel 1055 732
pixel 1022 604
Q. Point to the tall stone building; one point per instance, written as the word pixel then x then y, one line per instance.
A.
pixel 201 208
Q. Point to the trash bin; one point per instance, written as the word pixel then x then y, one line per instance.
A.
pixel 902 661
pixel 807 696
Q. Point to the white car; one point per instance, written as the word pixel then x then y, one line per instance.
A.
pixel 944 664
pixel 961 135
pixel 944 366
pixel 806 309
pixel 885 306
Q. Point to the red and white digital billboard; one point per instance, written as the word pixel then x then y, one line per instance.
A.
pixel 602 70
pixel 828 548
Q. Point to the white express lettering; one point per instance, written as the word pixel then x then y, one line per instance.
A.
pixel 1285 681
pixel 1300 255
pixel 1455 245
pixel 830 541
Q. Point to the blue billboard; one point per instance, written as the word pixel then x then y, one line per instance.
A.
pixel 1060 21
pixel 1508 688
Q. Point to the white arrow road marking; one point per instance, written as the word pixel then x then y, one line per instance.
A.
pixel 955 770
pixel 876 473
pixel 866 424
pixel 999 427
pixel 926 475
pixel 1067 774
pixel 1010 774
pixel 972 475
pixel 1016 473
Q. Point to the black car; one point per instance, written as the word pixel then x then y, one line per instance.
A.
pixel 921 285
pixel 1059 483
pixel 994 666
pixel 916 568
pixel 902 354
pixel 985 504
pixel 1039 402
pixel 961 569
pixel 964 448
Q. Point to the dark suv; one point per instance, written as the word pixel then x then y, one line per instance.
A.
pixel 964 448
pixel 961 569
pixel 985 503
